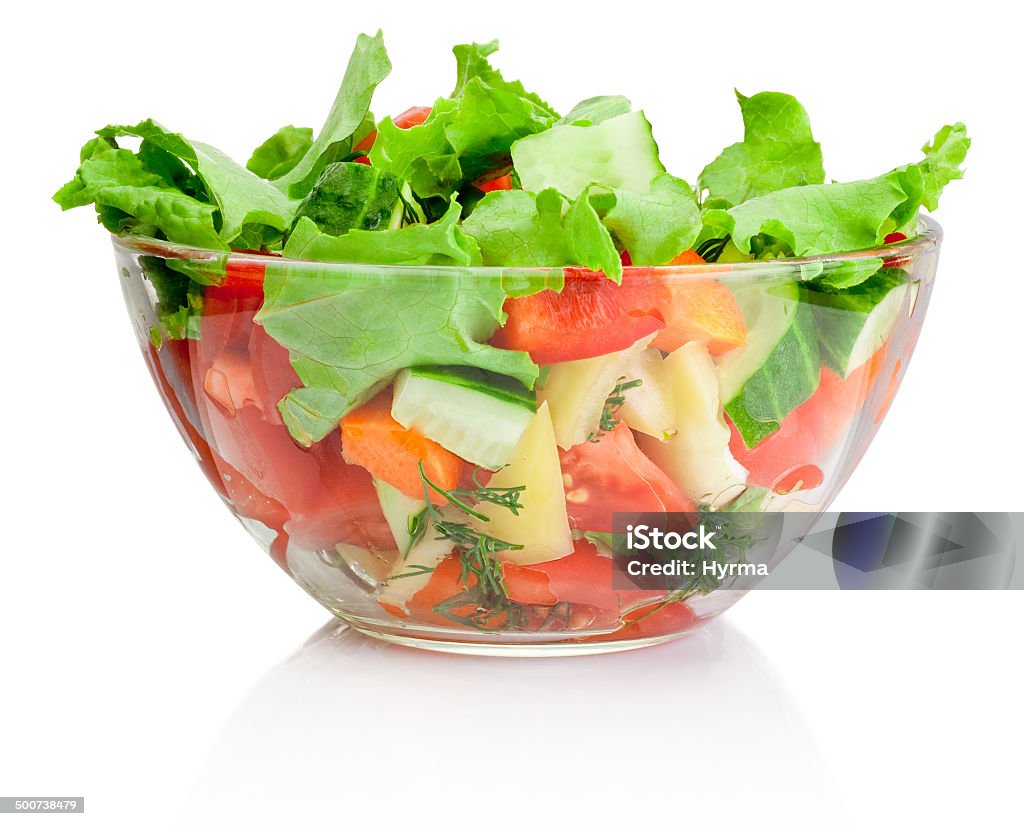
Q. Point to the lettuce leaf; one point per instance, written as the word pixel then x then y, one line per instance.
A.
pixel 349 119
pixel 840 217
pixel 778 151
pixel 280 152
pixel 350 330
pixel 654 226
pixel 440 243
pixel 131 196
pixel 466 135
pixel 245 202
pixel 520 229
pixel 471 63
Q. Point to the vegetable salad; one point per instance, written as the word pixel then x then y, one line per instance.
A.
pixel 459 339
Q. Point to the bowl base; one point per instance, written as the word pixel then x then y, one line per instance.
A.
pixel 562 648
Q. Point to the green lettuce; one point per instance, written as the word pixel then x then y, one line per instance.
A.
pixel 830 218
pixel 150 189
pixel 778 151
pixel 440 243
pixel 466 135
pixel 655 226
pixel 349 119
pixel 520 229
pixel 349 330
pixel 133 196
pixel 280 152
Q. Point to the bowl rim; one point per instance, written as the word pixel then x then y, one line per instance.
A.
pixel 929 237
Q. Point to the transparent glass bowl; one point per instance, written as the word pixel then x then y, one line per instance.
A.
pixel 320 517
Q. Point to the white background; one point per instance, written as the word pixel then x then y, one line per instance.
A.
pixel 149 657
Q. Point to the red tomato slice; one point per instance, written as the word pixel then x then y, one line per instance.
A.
pixel 272 373
pixel 526 585
pixel 792 455
pixel 590 317
pixel 797 443
pixel 586 577
pixel 613 474
pixel 654 621
pixel 346 507
pixel 230 404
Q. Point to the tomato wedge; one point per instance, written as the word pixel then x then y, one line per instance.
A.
pixel 590 317
pixel 613 474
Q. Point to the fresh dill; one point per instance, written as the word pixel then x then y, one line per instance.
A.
pixel 481 573
pixel 612 405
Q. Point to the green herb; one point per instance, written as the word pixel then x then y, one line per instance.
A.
pixel 612 405
pixel 477 551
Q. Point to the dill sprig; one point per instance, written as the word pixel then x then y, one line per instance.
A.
pixel 612 405
pixel 477 551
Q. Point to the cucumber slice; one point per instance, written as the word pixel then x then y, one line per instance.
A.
pixel 353 196
pixel 778 367
pixel 401 513
pixel 542 526
pixel 697 457
pixel 576 392
pixel 649 408
pixel 477 415
pixel 854 323
pixel 619 152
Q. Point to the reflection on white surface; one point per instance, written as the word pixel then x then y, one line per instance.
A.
pixel 349 730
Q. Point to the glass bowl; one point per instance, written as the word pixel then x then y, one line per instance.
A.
pixel 454 509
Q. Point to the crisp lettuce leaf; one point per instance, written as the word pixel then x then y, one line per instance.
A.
pixel 654 226
pixel 589 239
pixel 471 62
pixel 840 217
pixel 778 151
pixel 280 152
pixel 129 196
pixel 350 330
pixel 245 202
pixel 349 119
pixel 520 229
pixel 465 136
pixel 944 155
pixel 442 243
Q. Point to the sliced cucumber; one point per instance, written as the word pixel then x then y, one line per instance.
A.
pixel 542 526
pixel 401 512
pixel 778 367
pixel 650 407
pixel 477 415
pixel 619 152
pixel 576 392
pixel 350 196
pixel 697 457
pixel 853 323
pixel 412 573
